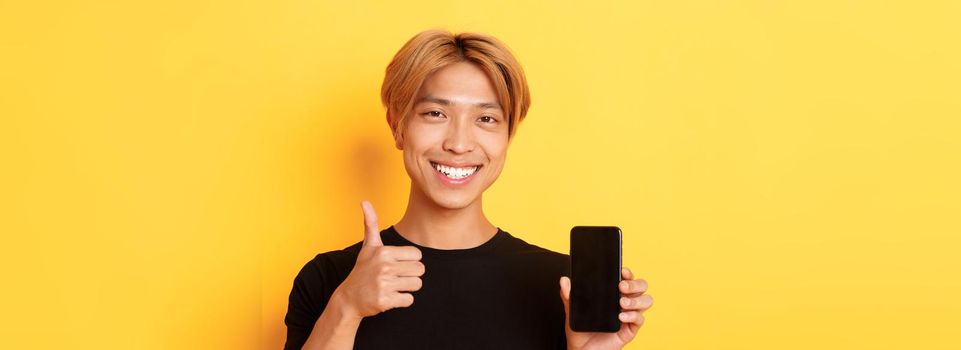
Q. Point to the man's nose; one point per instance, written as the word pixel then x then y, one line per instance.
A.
pixel 460 137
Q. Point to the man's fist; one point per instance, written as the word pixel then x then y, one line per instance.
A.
pixel 383 276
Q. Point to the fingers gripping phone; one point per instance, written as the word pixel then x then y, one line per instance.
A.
pixel 595 274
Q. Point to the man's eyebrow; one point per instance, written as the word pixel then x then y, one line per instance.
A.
pixel 447 102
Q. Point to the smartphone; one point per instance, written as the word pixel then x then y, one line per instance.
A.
pixel 595 274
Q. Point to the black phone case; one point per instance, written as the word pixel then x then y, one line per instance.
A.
pixel 595 274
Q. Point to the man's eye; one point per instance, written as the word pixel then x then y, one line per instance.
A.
pixel 491 119
pixel 433 113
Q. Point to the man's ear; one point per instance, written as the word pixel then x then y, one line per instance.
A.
pixel 398 140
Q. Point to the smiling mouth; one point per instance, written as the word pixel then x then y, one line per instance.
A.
pixel 455 173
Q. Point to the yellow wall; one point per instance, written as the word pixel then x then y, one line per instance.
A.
pixel 786 174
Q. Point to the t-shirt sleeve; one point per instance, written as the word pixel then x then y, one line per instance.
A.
pixel 307 300
pixel 311 291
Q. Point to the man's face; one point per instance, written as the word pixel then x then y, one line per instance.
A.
pixel 458 126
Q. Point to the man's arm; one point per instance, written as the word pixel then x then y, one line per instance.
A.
pixel 335 328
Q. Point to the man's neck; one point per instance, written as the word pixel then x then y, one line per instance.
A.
pixel 430 225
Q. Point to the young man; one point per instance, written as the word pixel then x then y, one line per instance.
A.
pixel 444 277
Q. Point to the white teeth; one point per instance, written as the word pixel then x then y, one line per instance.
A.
pixel 455 173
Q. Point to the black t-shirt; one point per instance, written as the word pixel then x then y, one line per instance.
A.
pixel 502 294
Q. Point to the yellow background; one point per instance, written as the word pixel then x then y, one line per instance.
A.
pixel 785 173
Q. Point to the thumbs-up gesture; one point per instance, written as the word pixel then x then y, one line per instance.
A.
pixel 383 276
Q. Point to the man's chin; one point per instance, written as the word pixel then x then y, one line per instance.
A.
pixel 453 203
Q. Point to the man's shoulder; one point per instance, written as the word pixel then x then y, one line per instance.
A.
pixel 338 257
pixel 518 246
pixel 332 263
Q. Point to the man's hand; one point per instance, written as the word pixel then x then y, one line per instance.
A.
pixel 382 276
pixel 633 304
pixel 379 281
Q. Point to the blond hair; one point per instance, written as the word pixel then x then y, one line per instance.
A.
pixel 433 49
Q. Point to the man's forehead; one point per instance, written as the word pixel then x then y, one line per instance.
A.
pixel 459 100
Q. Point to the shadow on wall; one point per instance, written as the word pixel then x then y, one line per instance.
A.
pixel 367 166
pixel 370 166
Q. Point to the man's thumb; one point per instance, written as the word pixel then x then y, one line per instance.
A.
pixel 371 232
pixel 565 296
pixel 565 290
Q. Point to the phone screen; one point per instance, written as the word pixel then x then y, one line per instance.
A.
pixel 595 273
